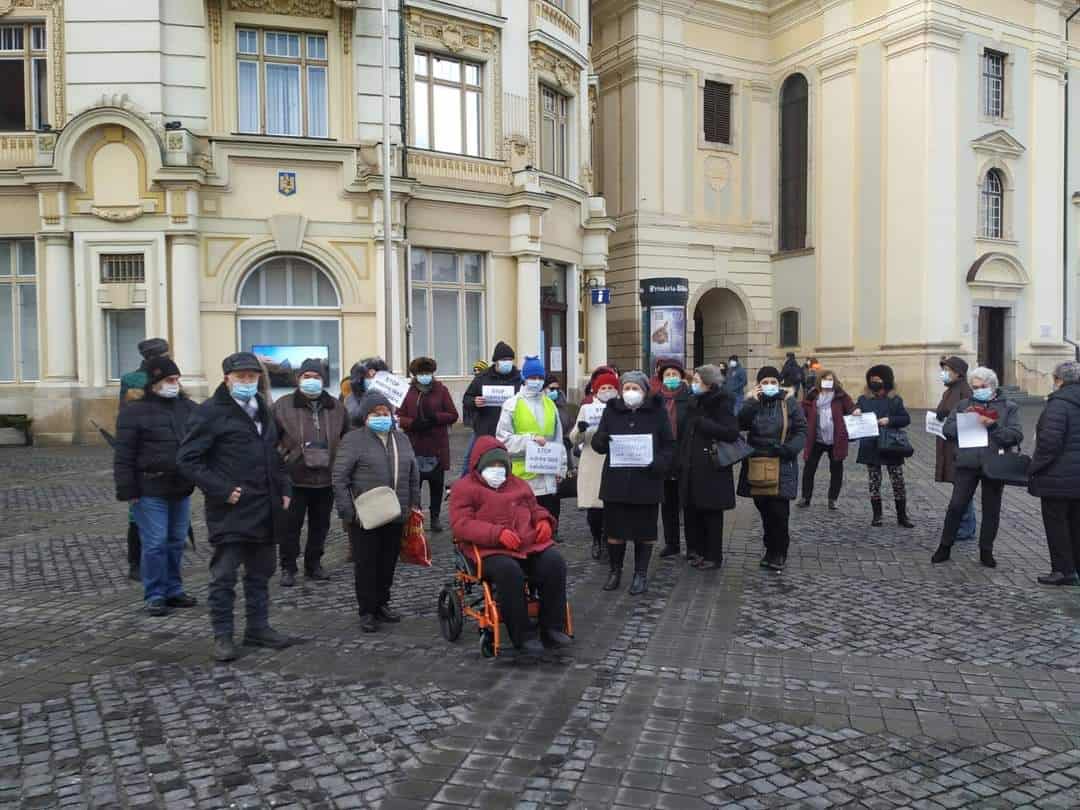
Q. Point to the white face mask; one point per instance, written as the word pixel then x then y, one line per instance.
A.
pixel 946 376
pixel 533 387
pixel 606 396
pixel 827 384
pixel 633 398
pixel 169 390
pixel 732 364
pixel 494 476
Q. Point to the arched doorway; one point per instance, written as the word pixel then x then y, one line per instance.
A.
pixel 721 327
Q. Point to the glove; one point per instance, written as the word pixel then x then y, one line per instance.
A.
pixel 543 531
pixel 509 540
pixel 787 453
pixel 422 423
pixel 582 427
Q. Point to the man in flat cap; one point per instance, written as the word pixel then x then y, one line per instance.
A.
pixel 230 452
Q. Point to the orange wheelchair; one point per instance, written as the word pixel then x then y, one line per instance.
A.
pixel 467 595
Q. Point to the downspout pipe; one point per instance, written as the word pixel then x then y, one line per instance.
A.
pixel 1065 204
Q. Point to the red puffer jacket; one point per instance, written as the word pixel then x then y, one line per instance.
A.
pixel 478 513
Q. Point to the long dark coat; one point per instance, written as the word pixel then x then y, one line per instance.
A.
pixel 1055 465
pixel 945 458
pixel 709 418
pixel 764 423
pixel 435 407
pixel 148 433
pixel 629 484
pixel 841 406
pixel 222 451
pixel 892 406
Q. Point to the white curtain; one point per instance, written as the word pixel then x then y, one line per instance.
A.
pixel 282 99
pixel 247 91
pixel 317 112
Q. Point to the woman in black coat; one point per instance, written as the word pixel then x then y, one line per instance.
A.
pixel 705 491
pixel 1055 471
pixel 632 495
pixel 881 399
pixel 763 416
pixel 676 394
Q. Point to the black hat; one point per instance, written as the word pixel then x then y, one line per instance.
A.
pixel 886 375
pixel 503 351
pixel 241 361
pixel 665 363
pixel 768 371
pixel 957 364
pixel 160 367
pixel 153 347
pixel 316 365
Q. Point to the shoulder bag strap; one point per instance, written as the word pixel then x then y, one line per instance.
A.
pixel 784 417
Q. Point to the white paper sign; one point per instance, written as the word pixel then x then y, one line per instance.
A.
pixel 495 395
pixel 545 460
pixel 864 426
pixel 970 431
pixel 555 355
pixel 934 426
pixel 631 450
pixel 391 386
pixel 591 413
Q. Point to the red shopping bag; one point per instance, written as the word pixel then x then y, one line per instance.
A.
pixel 414 545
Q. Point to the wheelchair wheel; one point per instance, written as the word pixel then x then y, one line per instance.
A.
pixel 487 644
pixel 451 621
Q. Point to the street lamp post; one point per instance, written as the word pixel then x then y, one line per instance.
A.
pixel 388 218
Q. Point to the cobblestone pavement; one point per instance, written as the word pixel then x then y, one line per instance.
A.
pixel 860 677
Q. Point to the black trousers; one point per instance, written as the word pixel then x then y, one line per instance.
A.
pixel 1061 517
pixel 594 516
pixel 705 533
pixel 134 544
pixel 965 483
pixel 669 514
pixel 258 560
pixel 546 570
pixel 316 503
pixel 552 503
pixel 375 556
pixel 775 513
pixel 436 480
pixel 836 472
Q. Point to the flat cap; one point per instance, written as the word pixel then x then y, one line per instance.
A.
pixel 241 361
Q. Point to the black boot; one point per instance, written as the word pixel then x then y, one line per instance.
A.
pixel 986 557
pixel 875 504
pixel 616 555
pixel 942 554
pixel 642 555
pixel 901 514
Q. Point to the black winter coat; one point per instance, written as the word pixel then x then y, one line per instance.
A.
pixel 485 420
pixel 222 451
pixel 709 418
pixel 681 397
pixel 891 406
pixel 1055 465
pixel 634 484
pixel 1007 432
pixel 763 422
pixel 148 435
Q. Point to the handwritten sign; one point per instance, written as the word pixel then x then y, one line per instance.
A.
pixel 495 395
pixel 970 432
pixel 391 386
pixel 864 426
pixel 591 413
pixel 934 426
pixel 631 450
pixel 545 460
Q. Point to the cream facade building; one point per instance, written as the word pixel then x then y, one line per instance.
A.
pixel 210 171
pixel 859 180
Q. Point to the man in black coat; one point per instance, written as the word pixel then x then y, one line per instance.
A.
pixel 230 452
pixel 478 412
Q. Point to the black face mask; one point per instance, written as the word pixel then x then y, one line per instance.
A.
pixel 876 386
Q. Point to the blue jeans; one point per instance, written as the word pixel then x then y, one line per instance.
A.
pixel 163 526
pixel 968 523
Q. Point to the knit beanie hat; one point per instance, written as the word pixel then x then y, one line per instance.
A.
pixel 607 378
pixel 710 375
pixel 636 377
pixel 768 371
pixel 503 351
pixel 532 367
pixel 158 368
pixel 316 365
pixel 496 455
pixel 370 401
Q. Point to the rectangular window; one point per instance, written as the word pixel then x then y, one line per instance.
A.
pixel 447 104
pixel 18 311
pixel 789 328
pixel 447 303
pixel 553 132
pixel 124 329
pixel 993 83
pixel 24 78
pixel 123 268
pixel 282 83
pixel 717 112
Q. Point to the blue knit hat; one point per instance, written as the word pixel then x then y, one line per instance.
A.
pixel 532 367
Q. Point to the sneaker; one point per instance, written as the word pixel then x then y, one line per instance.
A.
pixel 182 601
pixel 266 637
pixel 288 579
pixel 368 623
pixel 832 506
pixel 317 574
pixel 157 607
pixel 1058 578
pixel 773 563
pixel 387 614
pixel 224 648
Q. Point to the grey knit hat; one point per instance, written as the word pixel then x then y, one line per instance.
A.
pixel 637 377
pixel 711 375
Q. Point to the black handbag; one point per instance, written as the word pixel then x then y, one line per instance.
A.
pixel 1010 469
pixel 728 454
pixel 894 442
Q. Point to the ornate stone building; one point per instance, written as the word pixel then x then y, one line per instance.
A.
pixel 210 171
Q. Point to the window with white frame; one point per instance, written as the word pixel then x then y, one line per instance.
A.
pixel 447 104
pixel 993 205
pixel 553 132
pixel 18 312
pixel 993 76
pixel 124 330
pixel 24 73
pixel 282 83
pixel 447 303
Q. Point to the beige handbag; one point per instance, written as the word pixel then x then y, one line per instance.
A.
pixel 763 472
pixel 379 505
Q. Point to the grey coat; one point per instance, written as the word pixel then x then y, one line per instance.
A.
pixel 1006 432
pixel 364 462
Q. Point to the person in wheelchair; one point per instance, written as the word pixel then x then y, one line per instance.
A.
pixel 495 515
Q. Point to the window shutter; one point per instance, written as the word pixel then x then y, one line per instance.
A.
pixel 717 112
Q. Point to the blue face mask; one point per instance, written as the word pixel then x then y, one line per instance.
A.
pixel 697 388
pixel 553 395
pixel 380 424
pixel 534 386
pixel 244 391
pixel 424 379
pixel 504 366
pixel 312 386
pixel 672 383
pixel 983 394
pixel 770 390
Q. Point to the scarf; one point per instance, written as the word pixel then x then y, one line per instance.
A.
pixel 826 432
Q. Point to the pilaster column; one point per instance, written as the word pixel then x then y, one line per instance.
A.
pixel 186 318
pixel 595 322
pixel 60 351
pixel 528 306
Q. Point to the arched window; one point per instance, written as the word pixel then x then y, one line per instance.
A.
pixel 993 205
pixel 794 150
pixel 310 326
pixel 789 328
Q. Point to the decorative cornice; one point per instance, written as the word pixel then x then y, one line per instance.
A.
pixel 454 35
pixel 298 8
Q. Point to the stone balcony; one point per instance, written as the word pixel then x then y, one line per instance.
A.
pixel 442 169
pixel 543 14
pixel 17 149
